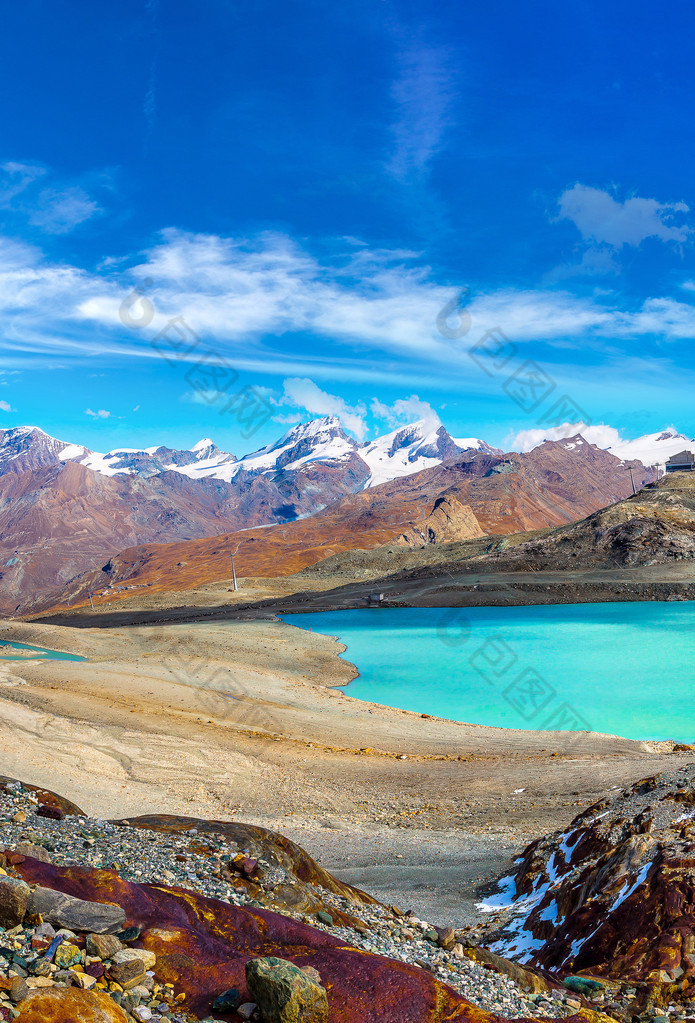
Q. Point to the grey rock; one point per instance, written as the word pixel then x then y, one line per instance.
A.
pixel 65 911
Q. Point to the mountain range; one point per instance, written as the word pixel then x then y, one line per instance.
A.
pixel 64 509
pixel 404 451
pixel 484 493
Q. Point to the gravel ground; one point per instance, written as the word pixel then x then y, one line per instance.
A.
pixel 148 856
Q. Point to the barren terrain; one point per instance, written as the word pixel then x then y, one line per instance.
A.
pixel 237 719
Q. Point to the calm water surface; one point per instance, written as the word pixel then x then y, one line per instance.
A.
pixel 627 669
pixel 23 652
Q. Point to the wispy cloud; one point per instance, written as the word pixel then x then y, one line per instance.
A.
pixel 422 95
pixel 6 407
pixel 102 413
pixel 373 318
pixel 16 177
pixel 56 209
pixel 149 106
pixel 58 212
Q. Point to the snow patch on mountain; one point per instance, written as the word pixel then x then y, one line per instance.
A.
pixel 651 449
pixel 321 440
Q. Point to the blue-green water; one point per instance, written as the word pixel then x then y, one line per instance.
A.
pixel 36 651
pixel 626 669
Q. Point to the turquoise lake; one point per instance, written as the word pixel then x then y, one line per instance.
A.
pixel 6 654
pixel 626 669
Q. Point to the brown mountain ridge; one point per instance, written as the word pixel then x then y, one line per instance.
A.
pixel 552 485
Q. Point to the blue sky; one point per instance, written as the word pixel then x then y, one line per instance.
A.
pixel 302 188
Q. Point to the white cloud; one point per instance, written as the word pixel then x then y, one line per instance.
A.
pixel 602 219
pixel 404 411
pixel 100 414
pixel 6 407
pixel 288 420
pixel 306 394
pixel 650 449
pixel 376 313
pixel 526 440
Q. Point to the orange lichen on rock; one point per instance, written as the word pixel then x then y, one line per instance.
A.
pixel 70 1005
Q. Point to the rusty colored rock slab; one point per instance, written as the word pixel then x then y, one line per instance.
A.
pixel 202 946
pixel 45 796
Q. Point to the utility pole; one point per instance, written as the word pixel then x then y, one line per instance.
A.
pixel 91 602
pixel 629 469
pixel 235 551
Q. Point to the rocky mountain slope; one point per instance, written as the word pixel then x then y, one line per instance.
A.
pixel 611 897
pixel 177 919
pixel 654 527
pixel 63 508
pixel 448 522
pixel 57 520
pixel 550 485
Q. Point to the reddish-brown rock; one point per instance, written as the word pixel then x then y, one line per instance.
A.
pixel 202 946
pixel 613 895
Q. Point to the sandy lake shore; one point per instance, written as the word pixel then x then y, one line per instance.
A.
pixel 238 720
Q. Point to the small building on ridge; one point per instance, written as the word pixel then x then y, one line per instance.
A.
pixel 684 461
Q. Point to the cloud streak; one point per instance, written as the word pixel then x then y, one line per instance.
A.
pixel 371 315
pixel 422 95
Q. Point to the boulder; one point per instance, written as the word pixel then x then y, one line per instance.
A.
pixel 446 938
pixel 103 945
pixel 14 899
pixel 146 958
pixel 76 914
pixel 284 993
pixel 37 852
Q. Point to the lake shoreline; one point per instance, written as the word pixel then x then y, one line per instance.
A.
pixel 492 667
pixel 145 725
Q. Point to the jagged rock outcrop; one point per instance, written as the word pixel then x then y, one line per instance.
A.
pixel 613 895
pixel 449 521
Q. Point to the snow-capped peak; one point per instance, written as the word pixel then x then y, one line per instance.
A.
pixel 203 445
pixel 651 449
pixel 407 450
pixel 25 448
